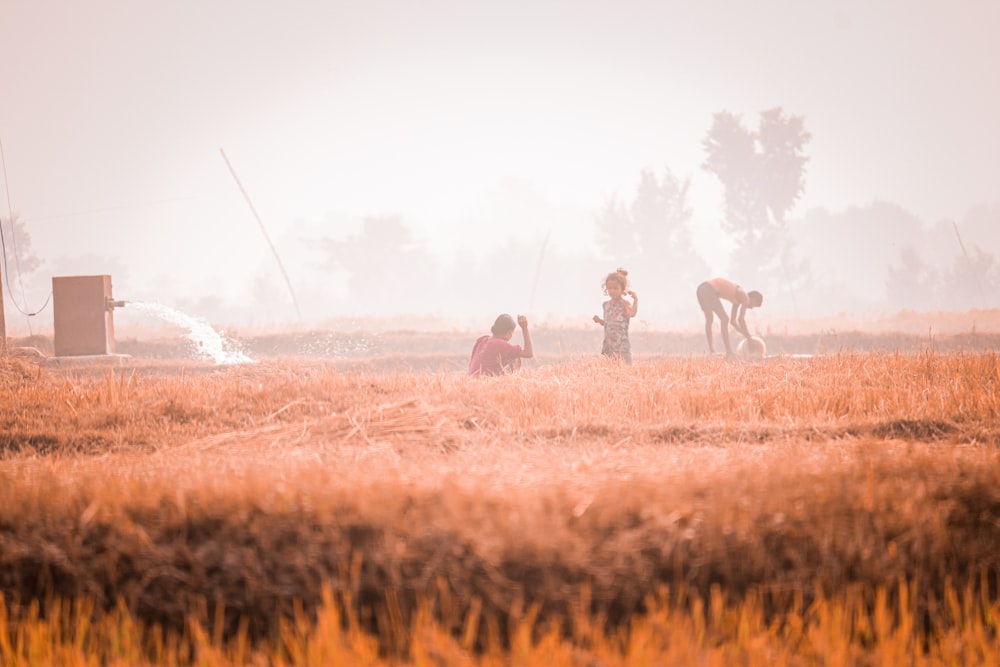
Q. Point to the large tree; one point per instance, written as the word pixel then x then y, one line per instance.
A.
pixel 762 172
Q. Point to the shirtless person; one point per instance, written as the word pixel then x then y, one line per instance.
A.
pixel 710 295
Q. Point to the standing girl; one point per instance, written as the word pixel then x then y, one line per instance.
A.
pixel 617 313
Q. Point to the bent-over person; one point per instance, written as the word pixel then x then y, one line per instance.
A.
pixel 710 296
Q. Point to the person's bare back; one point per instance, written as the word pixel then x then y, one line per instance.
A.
pixel 730 291
pixel 710 295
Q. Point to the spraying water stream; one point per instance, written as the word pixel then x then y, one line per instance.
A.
pixel 207 341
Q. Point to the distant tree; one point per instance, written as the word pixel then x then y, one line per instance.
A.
pixel 19 257
pixel 852 249
pixel 505 278
pixel 762 172
pixel 733 157
pixel 912 284
pixel 660 213
pixel 781 140
pixel 979 227
pixel 19 261
pixel 269 296
pixel 615 232
pixel 502 277
pixel 650 209
pixel 651 237
pixel 389 271
pixel 972 282
pixel 668 260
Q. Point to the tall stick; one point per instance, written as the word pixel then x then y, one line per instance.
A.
pixel 3 249
pixel 972 267
pixel 3 321
pixel 538 271
pixel 263 231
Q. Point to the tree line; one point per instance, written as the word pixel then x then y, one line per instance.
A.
pixel 873 256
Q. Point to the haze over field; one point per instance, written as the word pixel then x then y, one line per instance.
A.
pixel 456 159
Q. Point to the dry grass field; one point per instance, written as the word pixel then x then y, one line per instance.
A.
pixel 836 509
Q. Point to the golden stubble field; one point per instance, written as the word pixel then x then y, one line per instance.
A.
pixel 838 509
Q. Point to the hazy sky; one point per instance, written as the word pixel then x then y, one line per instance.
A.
pixel 449 112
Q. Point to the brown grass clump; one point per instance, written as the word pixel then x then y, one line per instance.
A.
pixel 567 495
pixel 856 627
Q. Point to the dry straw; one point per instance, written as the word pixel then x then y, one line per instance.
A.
pixel 469 513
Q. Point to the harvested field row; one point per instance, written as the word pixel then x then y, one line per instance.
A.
pixel 253 487
pixel 169 531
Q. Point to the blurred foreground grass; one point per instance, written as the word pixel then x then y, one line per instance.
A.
pixel 830 510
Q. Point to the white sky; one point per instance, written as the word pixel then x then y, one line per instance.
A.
pixel 114 112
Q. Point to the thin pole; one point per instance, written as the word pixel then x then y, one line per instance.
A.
pixel 13 234
pixel 538 271
pixel 3 320
pixel 263 231
pixel 972 267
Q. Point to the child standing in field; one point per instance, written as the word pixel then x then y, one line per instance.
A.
pixel 617 314
pixel 495 354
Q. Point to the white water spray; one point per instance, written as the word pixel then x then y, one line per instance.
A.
pixel 207 341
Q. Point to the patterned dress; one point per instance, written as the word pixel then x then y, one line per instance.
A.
pixel 616 343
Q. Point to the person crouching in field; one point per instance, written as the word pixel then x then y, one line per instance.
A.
pixel 495 355
pixel 710 294
pixel 617 314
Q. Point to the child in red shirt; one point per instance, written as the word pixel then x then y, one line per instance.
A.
pixel 495 355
